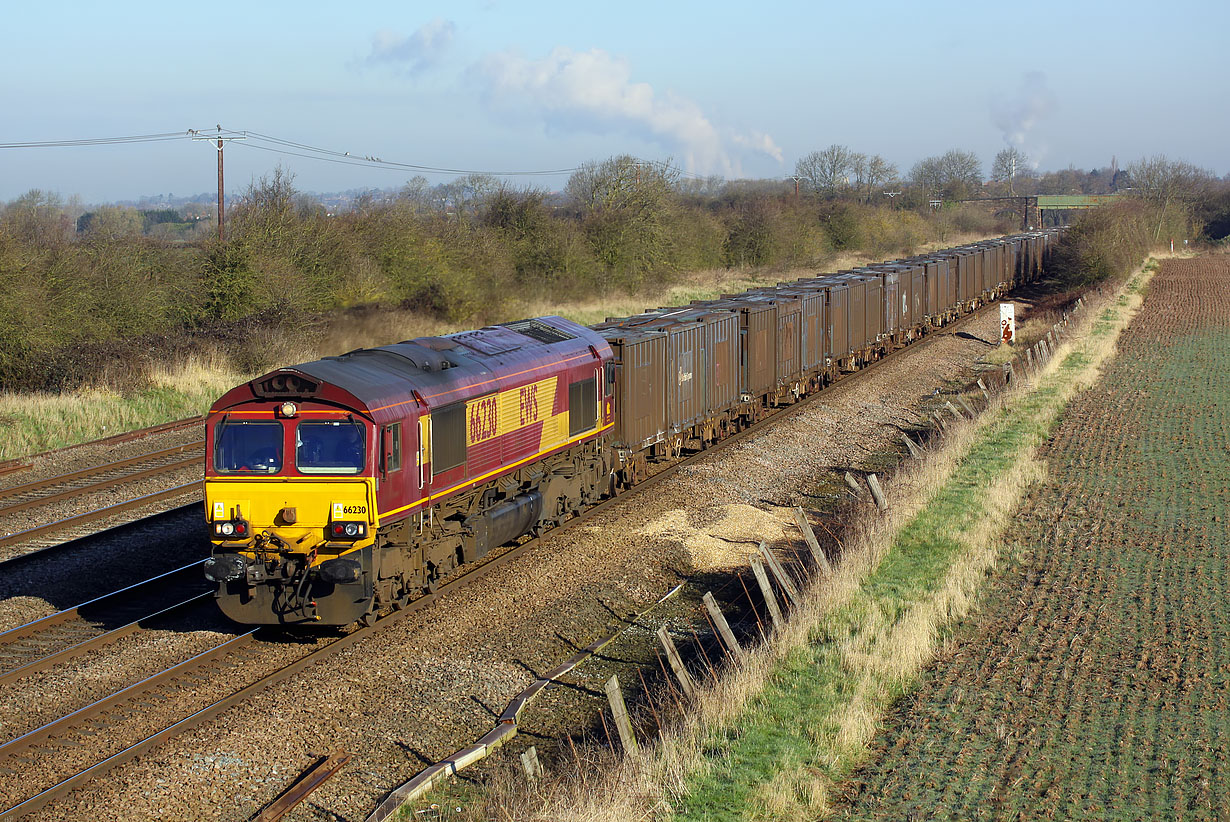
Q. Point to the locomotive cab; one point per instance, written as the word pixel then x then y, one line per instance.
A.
pixel 291 509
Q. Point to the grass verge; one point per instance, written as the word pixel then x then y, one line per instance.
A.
pixel 774 738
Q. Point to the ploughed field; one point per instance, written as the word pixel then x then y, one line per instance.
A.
pixel 1094 682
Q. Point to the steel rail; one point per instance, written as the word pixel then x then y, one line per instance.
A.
pixel 101 513
pixel 21 463
pixel 458 580
pixel 64 479
pixel 70 626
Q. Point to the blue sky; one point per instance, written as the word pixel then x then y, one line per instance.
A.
pixel 735 89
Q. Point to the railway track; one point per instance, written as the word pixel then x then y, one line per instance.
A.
pixel 54 639
pixel 42 750
pixel 79 485
pixel 20 464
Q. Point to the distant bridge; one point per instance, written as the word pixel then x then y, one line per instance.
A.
pixel 1040 209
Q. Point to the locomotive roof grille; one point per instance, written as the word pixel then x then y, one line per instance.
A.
pixel 538 330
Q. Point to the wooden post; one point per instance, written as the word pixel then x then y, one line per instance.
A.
pixel 877 493
pixel 985 392
pixel 783 579
pixel 936 416
pixel 1029 359
pixel 676 663
pixel 969 409
pixel 620 711
pixel 1011 372
pixel 723 627
pixel 529 761
pixel 952 409
pixel 800 520
pixel 853 484
pixel 766 590
pixel 1007 367
pixel 915 452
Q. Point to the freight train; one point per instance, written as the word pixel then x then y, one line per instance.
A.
pixel 340 488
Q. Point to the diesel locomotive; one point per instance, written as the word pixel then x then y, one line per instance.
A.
pixel 339 488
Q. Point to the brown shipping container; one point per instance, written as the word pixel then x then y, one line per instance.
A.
pixel 836 323
pixel 856 310
pixel 640 396
pixel 758 352
pixel 814 347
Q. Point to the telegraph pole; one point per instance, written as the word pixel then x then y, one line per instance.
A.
pixel 196 135
pixel 796 179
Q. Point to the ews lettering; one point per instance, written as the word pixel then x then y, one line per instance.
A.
pixel 528 404
pixel 484 419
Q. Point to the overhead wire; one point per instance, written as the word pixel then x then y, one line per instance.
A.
pixel 279 145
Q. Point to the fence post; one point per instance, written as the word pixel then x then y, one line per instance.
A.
pixel 676 663
pixel 723 627
pixel 620 711
pixel 800 520
pixel 877 493
pixel 529 761
pixel 766 590
pixel 985 392
pixel 783 579
pixel 914 450
pixel 969 409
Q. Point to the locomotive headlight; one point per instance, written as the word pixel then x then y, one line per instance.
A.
pixel 347 530
pixel 289 409
pixel 227 528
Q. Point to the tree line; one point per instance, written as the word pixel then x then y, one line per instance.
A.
pixel 76 293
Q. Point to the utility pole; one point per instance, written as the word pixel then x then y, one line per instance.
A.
pixel 796 179
pixel 196 135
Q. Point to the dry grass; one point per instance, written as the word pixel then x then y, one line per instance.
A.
pixel 884 645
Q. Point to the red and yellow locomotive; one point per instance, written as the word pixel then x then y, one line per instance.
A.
pixel 343 486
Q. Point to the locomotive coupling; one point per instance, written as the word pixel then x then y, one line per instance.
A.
pixel 225 568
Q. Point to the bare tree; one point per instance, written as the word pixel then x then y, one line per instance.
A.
pixel 952 175
pixel 1168 183
pixel 827 171
pixel 1010 164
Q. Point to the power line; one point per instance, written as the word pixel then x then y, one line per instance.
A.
pixel 293 148
pixel 101 141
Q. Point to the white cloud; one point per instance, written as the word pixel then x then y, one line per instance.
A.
pixel 416 52
pixel 594 91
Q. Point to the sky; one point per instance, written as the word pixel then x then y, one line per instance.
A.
pixel 718 88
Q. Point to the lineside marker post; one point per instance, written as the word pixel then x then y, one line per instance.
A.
pixel 620 711
pixel 877 493
pixel 783 579
pixel 529 761
pixel 719 619
pixel 766 590
pixel 822 562
pixel 676 663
